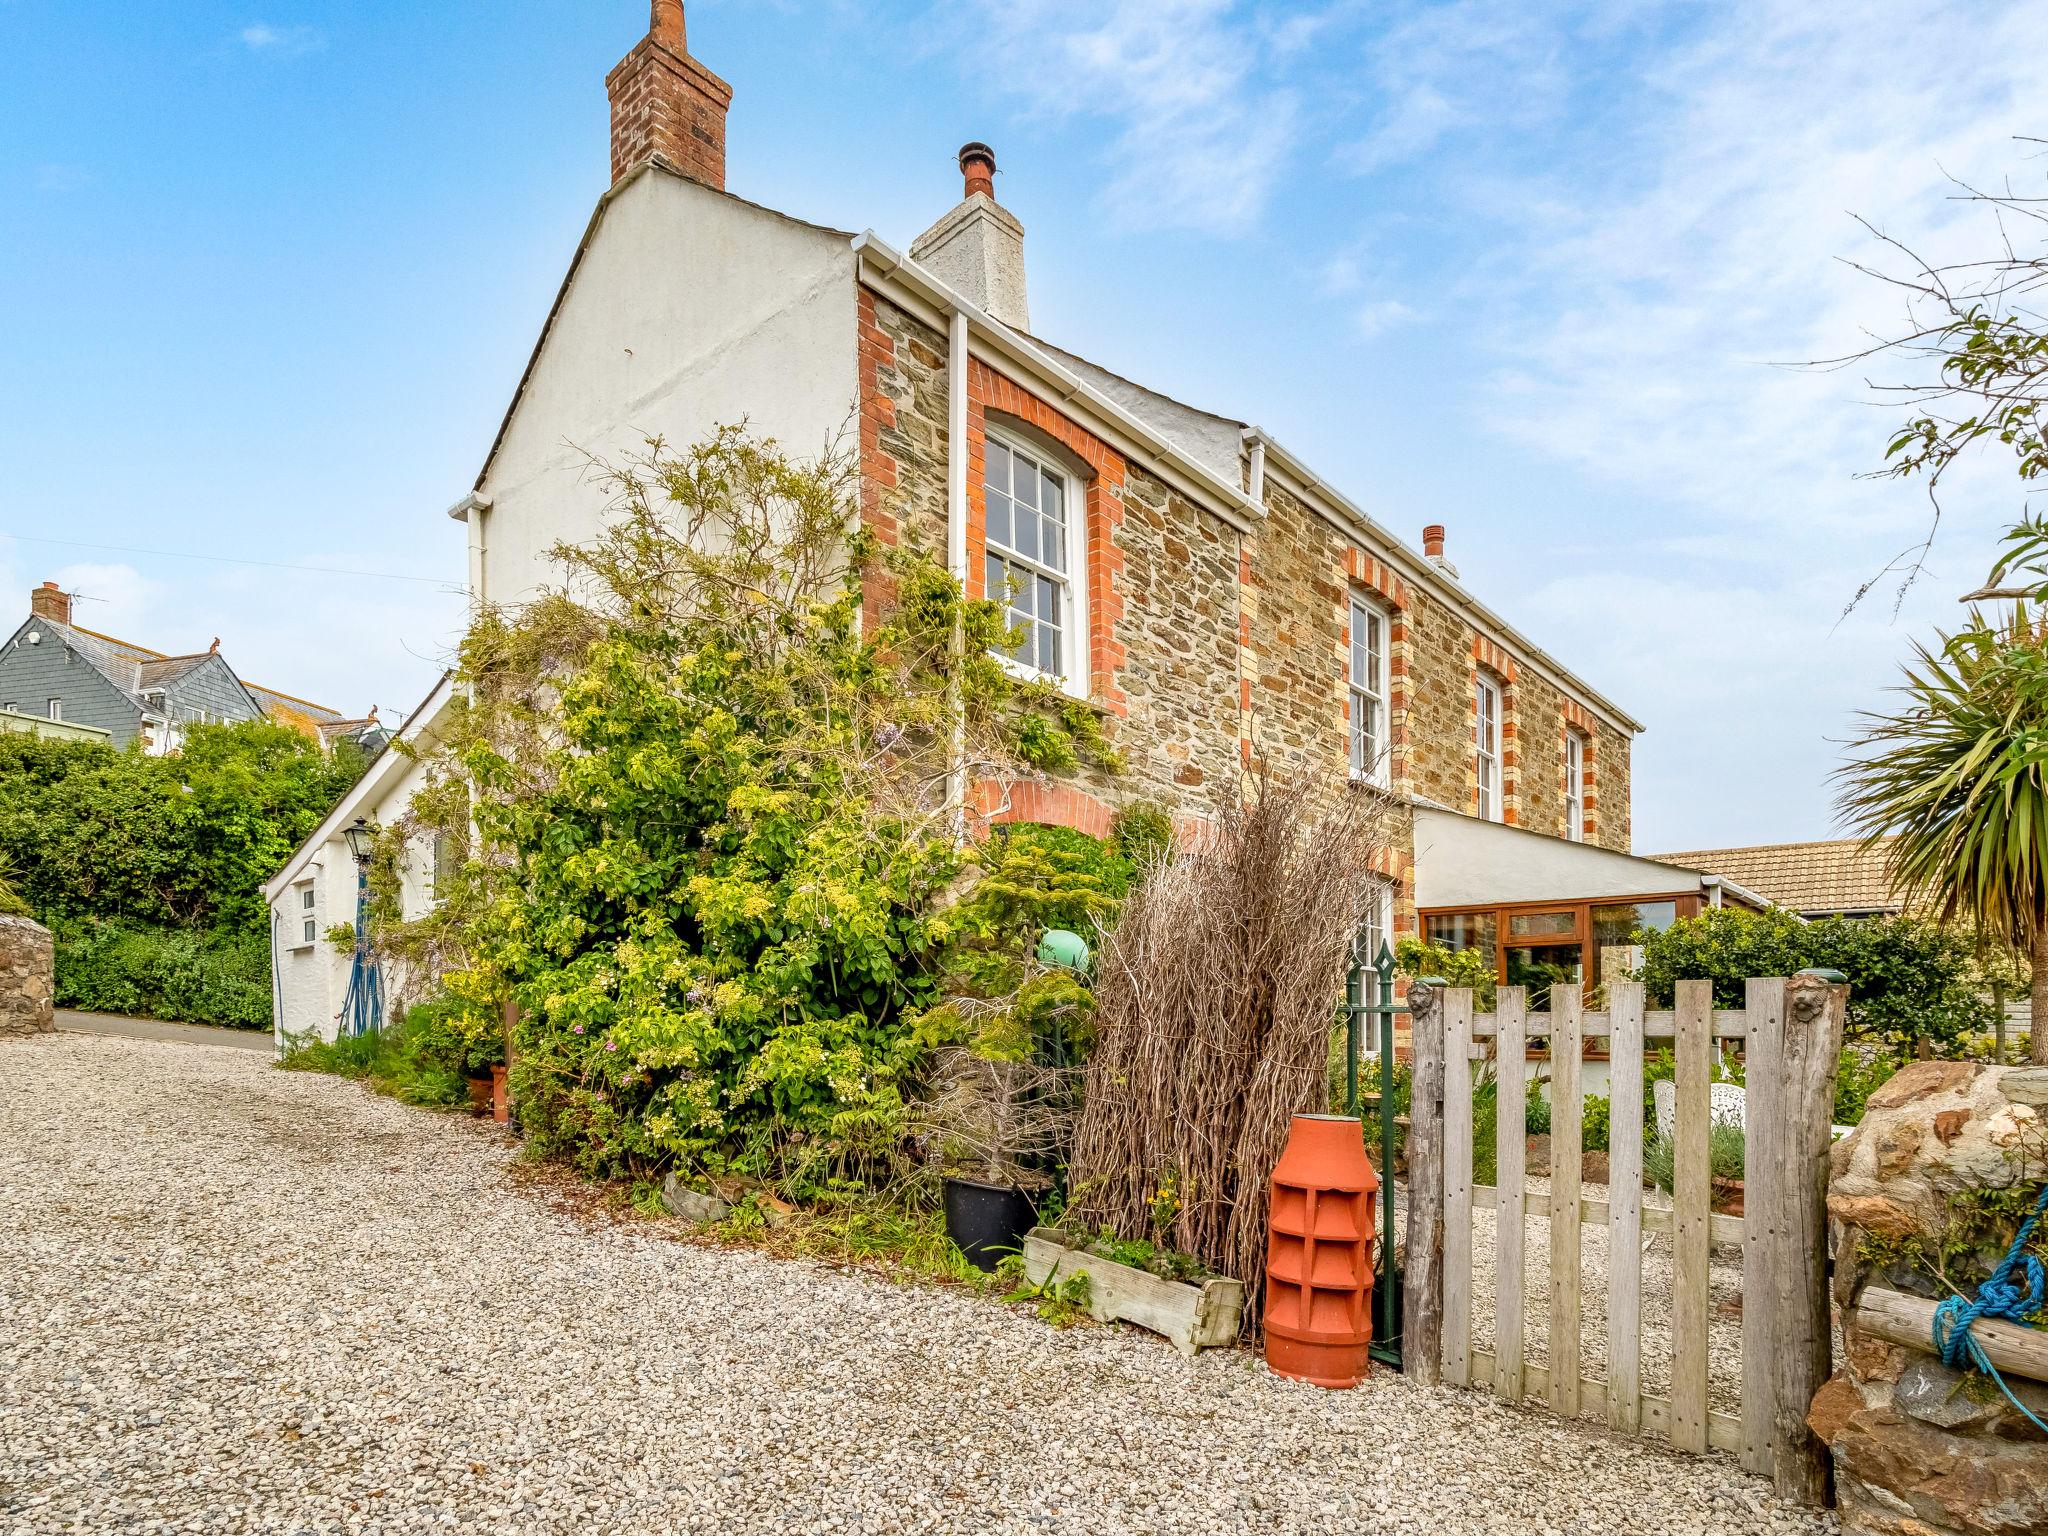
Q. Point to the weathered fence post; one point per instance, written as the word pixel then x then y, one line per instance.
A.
pixel 1816 1009
pixel 1422 1332
pixel 1763 1175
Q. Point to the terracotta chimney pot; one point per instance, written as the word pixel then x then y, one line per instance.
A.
pixel 978 166
pixel 1433 541
pixel 666 26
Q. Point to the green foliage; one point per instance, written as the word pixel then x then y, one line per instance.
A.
pixel 714 871
pixel 1595 1118
pixel 184 841
pixel 1142 833
pixel 1415 958
pixel 1486 1123
pixel 163 973
pixel 410 1060
pixel 1062 1303
pixel 12 902
pixel 1957 776
pixel 149 869
pixel 1908 977
pixel 1725 1145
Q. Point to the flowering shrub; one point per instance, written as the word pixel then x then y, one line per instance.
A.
pixel 716 809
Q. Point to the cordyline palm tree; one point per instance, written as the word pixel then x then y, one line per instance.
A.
pixel 1957 778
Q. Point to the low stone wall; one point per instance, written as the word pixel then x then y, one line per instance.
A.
pixel 1920 1450
pixel 28 977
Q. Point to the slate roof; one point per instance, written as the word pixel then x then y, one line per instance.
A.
pixel 136 668
pixel 1838 875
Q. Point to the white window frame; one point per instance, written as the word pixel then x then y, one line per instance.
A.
pixel 307 915
pixel 1486 707
pixel 1574 786
pixel 56 711
pixel 1371 755
pixel 1073 582
pixel 1379 929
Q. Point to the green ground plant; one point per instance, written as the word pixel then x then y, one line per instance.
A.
pixel 1725 1151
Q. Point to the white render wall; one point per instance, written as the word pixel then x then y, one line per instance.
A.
pixel 312 978
pixel 1462 861
pixel 689 310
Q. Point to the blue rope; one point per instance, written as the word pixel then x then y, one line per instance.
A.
pixel 1998 1296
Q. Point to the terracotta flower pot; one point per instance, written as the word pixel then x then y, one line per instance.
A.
pixel 1319 1254
pixel 480 1095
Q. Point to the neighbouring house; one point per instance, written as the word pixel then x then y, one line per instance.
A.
pixel 1208 593
pixel 59 672
pixel 1837 877
pixel 316 890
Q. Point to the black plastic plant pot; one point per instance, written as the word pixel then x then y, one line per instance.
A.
pixel 987 1221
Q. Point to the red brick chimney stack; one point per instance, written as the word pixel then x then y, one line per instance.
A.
pixel 1433 541
pixel 978 165
pixel 51 602
pixel 665 103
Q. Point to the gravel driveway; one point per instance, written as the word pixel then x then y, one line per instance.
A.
pixel 237 1299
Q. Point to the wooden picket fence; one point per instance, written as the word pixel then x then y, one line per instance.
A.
pixel 1790 1032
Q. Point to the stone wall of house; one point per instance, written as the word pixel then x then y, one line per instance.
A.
pixel 1209 648
pixel 1919 1449
pixel 28 977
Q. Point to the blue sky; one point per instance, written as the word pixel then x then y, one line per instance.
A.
pixel 1526 269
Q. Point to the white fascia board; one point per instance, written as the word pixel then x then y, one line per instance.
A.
pixel 390 764
pixel 1337 509
pixel 882 267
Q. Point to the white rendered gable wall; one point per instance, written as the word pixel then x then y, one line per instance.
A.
pixel 689 310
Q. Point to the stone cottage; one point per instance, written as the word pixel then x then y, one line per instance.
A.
pixel 1210 595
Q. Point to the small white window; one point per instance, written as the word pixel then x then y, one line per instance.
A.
pixel 306 899
pixel 1033 562
pixel 1486 727
pixel 1368 693
pixel 311 930
pixel 56 709
pixel 1574 787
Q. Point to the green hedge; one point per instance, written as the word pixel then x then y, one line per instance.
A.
pixel 163 973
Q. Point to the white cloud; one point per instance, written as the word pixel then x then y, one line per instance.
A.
pixel 1201 130
pixel 282 42
pixel 1640 283
pixel 1380 315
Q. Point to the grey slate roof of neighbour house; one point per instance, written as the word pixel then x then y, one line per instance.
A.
pixel 135 684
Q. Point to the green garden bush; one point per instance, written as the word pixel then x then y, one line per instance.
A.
pixel 163 973
pixel 149 870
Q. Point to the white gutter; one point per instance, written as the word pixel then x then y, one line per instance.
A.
pixel 956 555
pixel 1342 512
pixel 1186 473
pixel 1258 474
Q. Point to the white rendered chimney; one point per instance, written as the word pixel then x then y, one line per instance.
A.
pixel 977 249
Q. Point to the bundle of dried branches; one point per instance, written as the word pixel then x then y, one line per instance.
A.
pixel 997 1119
pixel 1215 1004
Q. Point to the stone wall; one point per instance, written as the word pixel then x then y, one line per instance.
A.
pixel 28 977
pixel 1919 1449
pixel 1210 649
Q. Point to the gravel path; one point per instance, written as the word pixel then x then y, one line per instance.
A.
pixel 237 1299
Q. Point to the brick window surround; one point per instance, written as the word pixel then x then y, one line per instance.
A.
pixel 1367 576
pixel 1500 667
pixel 1578 721
pixel 1101 473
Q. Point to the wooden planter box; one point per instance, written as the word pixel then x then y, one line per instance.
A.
pixel 1194 1317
